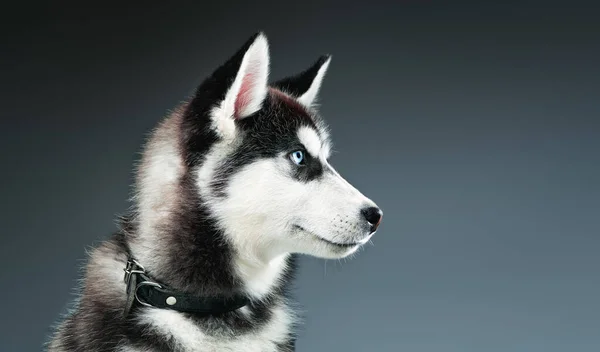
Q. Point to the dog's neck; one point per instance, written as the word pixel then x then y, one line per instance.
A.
pixel 189 253
pixel 173 235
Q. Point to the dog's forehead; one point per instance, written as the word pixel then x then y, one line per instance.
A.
pixel 307 128
pixel 284 122
pixel 311 140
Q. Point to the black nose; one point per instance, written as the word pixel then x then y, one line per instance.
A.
pixel 373 216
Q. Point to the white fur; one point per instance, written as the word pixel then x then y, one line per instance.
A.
pixel 254 69
pixel 260 276
pixel 190 338
pixel 106 272
pixel 158 188
pixel 263 203
pixel 310 96
pixel 134 349
pixel 311 141
pixel 261 271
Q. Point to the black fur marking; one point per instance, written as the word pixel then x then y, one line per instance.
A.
pixel 311 170
pixel 198 250
pixel 197 136
pixel 268 133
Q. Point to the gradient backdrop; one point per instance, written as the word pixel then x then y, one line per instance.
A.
pixel 474 126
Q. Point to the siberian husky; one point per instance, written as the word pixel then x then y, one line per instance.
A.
pixel 231 187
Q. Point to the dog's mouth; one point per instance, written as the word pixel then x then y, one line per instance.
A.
pixel 336 244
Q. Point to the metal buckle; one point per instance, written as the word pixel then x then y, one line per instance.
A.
pixel 132 267
pixel 144 283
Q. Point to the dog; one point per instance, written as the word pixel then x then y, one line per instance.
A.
pixel 232 186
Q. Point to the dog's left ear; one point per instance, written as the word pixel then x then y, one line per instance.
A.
pixel 235 90
pixel 248 88
pixel 305 86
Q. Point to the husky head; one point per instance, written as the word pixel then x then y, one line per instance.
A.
pixel 256 156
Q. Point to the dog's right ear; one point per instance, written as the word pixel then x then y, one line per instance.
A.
pixel 238 88
pixel 305 86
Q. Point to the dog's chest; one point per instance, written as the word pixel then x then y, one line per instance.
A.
pixel 190 337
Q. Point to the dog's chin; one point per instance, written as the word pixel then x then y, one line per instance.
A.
pixel 318 246
pixel 336 252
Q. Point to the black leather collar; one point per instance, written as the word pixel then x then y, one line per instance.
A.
pixel 141 288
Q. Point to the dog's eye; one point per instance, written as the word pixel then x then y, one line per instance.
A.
pixel 297 157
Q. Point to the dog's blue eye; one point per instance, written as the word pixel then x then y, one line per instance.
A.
pixel 298 157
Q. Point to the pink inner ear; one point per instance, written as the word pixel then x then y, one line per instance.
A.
pixel 244 96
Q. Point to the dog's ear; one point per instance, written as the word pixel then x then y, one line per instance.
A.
pixel 305 86
pixel 246 75
pixel 235 90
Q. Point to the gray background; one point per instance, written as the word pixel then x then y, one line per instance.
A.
pixel 474 126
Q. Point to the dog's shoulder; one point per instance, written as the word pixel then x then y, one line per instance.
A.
pixel 96 323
